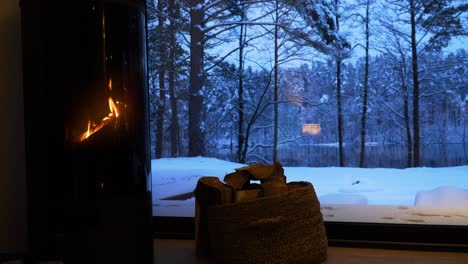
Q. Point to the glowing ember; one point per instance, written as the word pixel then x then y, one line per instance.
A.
pixel 311 129
pixel 94 127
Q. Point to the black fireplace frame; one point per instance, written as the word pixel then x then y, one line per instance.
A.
pixel 54 32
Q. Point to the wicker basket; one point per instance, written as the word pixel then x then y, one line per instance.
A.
pixel 287 228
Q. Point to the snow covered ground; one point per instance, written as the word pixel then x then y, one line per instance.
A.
pixel 413 195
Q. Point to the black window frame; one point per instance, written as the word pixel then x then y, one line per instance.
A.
pixel 453 238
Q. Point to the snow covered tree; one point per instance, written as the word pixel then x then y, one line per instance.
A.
pixel 275 83
pixel 157 67
pixel 165 62
pixel 196 145
pixel 365 92
pixel 175 65
pixel 207 22
pixel 162 52
pixel 338 60
pixel 425 25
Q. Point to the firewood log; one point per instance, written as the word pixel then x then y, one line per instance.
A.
pixel 276 183
pixel 274 187
pixel 237 180
pixel 257 171
pixel 297 185
pixel 249 193
pixel 209 191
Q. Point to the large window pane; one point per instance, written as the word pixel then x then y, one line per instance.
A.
pixel 349 97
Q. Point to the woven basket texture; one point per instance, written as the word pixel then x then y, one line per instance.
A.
pixel 287 228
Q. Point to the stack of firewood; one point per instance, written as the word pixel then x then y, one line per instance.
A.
pixel 271 177
pixel 238 188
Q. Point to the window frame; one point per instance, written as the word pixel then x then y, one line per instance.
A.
pixel 453 238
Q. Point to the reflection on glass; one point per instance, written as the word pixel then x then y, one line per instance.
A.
pixel 311 129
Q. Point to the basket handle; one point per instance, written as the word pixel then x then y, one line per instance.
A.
pixel 267 222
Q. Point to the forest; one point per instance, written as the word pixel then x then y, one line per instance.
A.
pixel 364 83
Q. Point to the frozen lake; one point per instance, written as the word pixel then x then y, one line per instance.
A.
pixel 377 155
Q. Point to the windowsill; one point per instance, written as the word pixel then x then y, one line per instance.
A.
pixel 391 214
pixel 183 251
pixel 387 214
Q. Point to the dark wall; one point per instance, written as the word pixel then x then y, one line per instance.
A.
pixel 12 154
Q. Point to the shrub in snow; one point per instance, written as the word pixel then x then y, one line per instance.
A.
pixel 352 184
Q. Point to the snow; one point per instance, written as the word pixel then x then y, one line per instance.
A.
pixel 324 98
pixel 198 7
pixel 394 214
pixel 173 176
pixel 355 184
pixel 428 195
pixel 343 199
pixel 443 196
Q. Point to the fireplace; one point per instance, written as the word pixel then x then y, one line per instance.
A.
pixel 86 123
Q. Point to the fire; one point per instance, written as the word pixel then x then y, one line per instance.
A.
pixel 88 132
pixel 113 108
pixel 94 127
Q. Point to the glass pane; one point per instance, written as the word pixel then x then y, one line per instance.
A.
pixel 379 129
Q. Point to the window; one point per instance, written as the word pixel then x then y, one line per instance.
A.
pixel 332 90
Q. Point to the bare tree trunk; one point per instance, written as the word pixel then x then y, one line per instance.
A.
pixel 414 55
pixel 404 88
pixel 339 113
pixel 362 155
pixel 338 96
pixel 275 90
pixel 160 117
pixel 464 133
pixel 196 142
pixel 175 130
pixel 258 111
pixel 240 91
pixel 161 106
pixel 409 143
pixel 406 110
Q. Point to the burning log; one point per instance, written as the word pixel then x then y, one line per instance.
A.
pixel 113 114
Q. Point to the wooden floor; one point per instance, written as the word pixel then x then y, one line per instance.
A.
pixel 183 252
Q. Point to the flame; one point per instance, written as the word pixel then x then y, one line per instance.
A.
pixel 113 114
pixel 113 108
pixel 87 133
